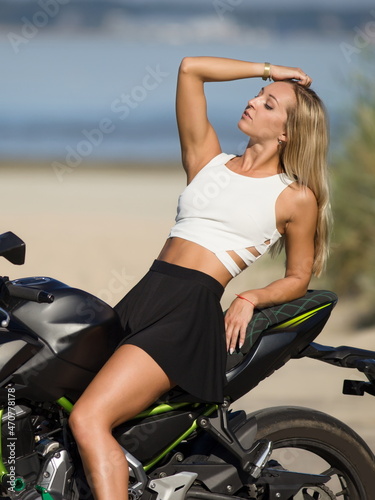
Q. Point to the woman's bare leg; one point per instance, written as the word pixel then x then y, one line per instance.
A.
pixel 128 383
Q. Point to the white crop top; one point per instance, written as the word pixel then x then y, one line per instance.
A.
pixel 222 211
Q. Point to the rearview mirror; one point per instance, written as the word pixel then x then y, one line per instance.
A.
pixel 12 248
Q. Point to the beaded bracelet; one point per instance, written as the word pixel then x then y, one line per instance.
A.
pixel 244 298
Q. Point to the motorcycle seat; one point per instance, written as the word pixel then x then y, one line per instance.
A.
pixel 275 316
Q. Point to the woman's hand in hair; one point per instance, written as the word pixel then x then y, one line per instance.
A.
pixel 279 73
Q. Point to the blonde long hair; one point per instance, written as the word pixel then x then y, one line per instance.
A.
pixel 304 158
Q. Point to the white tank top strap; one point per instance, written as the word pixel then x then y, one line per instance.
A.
pixel 262 248
pixel 231 264
pixel 228 262
pixel 220 159
pixel 246 256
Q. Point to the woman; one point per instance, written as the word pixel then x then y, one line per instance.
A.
pixel 233 209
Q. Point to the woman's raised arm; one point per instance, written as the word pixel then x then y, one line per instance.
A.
pixel 199 142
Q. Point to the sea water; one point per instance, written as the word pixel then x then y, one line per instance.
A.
pixel 106 98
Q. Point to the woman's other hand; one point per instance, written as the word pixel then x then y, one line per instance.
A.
pixel 236 319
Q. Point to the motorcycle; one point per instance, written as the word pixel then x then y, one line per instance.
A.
pixel 54 339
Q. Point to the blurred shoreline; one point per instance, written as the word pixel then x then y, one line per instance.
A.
pixel 45 165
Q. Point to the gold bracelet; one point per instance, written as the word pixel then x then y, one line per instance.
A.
pixel 267 71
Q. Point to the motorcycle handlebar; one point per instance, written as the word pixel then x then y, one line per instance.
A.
pixel 29 293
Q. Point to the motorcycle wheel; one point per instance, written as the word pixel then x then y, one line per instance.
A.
pixel 310 441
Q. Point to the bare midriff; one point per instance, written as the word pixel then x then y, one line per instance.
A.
pixel 193 256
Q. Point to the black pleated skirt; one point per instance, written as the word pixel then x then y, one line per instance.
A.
pixel 174 314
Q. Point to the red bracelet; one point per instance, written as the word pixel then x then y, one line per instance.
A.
pixel 244 298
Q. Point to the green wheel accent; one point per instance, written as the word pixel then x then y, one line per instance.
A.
pixel 3 469
pixel 187 433
pixel 66 404
pixel 300 319
pixel 44 493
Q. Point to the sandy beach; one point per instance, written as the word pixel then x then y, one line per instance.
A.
pixel 99 229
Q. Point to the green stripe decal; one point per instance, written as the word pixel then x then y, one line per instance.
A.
pixel 187 433
pixel 300 319
pixel 157 410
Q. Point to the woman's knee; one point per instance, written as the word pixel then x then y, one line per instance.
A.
pixel 83 424
pixel 75 423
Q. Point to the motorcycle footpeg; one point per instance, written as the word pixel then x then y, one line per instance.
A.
pixel 261 452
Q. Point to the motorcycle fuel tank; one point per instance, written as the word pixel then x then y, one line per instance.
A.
pixel 78 332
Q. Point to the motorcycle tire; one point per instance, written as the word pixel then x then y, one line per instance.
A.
pixel 306 440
